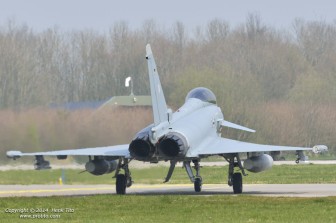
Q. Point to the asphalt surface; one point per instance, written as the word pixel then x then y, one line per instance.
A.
pixel 274 190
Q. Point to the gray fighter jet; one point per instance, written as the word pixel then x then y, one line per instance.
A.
pixel 189 134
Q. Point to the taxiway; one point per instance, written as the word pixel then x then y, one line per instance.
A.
pixel 274 190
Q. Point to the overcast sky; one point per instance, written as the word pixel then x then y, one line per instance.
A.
pixel 101 14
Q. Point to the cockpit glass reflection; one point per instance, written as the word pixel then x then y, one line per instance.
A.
pixel 202 94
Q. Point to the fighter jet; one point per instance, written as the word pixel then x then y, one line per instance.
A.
pixel 191 133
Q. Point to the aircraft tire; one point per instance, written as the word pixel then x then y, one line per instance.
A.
pixel 198 185
pixel 121 184
pixel 237 181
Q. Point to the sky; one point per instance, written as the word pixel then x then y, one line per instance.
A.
pixel 102 14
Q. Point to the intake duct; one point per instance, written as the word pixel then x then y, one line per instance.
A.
pixel 141 148
pixel 173 145
pixel 100 166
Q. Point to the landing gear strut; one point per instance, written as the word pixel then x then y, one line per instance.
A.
pixel 197 180
pixel 300 157
pixel 235 178
pixel 170 171
pixel 123 180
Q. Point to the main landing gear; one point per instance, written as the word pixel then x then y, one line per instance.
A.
pixel 123 180
pixel 300 157
pixel 235 178
pixel 197 180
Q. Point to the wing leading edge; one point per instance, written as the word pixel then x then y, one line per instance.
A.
pixel 117 151
pixel 213 146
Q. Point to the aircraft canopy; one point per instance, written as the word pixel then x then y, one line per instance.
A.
pixel 202 94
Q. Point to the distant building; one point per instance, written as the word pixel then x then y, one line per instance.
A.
pixel 125 101
pixel 131 100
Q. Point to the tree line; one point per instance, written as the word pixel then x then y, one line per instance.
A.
pixel 261 62
pixel 258 72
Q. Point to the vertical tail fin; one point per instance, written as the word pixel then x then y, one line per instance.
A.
pixel 158 99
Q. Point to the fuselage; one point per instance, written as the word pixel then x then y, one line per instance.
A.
pixel 194 122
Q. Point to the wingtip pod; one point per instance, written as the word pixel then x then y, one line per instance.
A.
pixel 14 154
pixel 319 148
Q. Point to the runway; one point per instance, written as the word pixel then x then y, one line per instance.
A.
pixel 274 190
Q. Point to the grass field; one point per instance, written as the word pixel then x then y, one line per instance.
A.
pixel 277 175
pixel 174 208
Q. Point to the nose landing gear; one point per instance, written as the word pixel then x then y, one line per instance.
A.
pixel 197 180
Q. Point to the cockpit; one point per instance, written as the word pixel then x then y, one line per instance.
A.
pixel 202 94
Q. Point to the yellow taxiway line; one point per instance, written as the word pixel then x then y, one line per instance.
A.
pixel 112 187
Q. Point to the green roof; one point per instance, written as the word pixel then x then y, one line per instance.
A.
pixel 131 100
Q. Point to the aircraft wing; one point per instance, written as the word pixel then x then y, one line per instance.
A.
pixel 117 151
pixel 213 146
